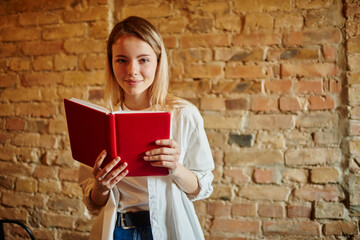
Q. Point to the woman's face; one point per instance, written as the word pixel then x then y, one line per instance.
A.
pixel 134 65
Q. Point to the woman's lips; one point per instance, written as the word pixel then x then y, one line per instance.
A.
pixel 133 82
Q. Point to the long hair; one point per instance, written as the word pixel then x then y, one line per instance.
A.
pixel 144 30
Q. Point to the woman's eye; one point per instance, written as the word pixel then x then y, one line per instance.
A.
pixel 144 60
pixel 119 60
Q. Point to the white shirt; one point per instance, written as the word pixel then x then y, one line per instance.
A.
pixel 172 214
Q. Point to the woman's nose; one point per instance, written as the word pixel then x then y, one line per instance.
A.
pixel 132 68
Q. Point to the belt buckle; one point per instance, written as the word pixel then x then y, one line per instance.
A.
pixel 122 216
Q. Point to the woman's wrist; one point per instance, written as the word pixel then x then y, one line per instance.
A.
pixel 98 197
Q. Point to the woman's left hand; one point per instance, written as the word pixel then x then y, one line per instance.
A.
pixel 167 155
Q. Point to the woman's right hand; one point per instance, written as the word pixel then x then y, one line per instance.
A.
pixel 106 178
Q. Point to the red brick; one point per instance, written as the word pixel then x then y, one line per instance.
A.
pixel 203 71
pixel 19 64
pixel 291 228
pixel 89 14
pixel 310 86
pixel 63 31
pixel 330 53
pixel 62 63
pixel 215 104
pixel 260 103
pixel 290 104
pixel 40 79
pixel 170 42
pixel 15 124
pixel 334 86
pixel 326 138
pixel 236 176
pixel 79 46
pixel 309 70
pixel 255 21
pixel 291 20
pixel 8 21
pixel 36 109
pixel 304 156
pixel 324 175
pixel 299 211
pixel 321 103
pixel 20 94
pixel 39 18
pixel 256 39
pixel 273 210
pixel 219 209
pixel 45 172
pixel 354 128
pixel 42 48
pixel 188 89
pixel 69 174
pixel 278 86
pixel 313 37
pixel 19 34
pixel 235 226
pixel 8 80
pixel 265 192
pixel 206 40
pixel 9 49
pixel 263 175
pixel 239 54
pixel 253 157
pixel 237 104
pixel 355 112
pixel 147 10
pixel 233 70
pixel 318 193
pixel 262 5
pixel 243 209
pixel 95 62
pixel 273 121
pixel 341 228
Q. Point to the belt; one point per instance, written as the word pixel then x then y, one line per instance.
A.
pixel 129 220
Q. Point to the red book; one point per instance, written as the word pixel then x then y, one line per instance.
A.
pixel 129 135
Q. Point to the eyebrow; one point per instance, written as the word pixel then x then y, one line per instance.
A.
pixel 141 55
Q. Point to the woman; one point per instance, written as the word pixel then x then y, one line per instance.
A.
pixel 148 207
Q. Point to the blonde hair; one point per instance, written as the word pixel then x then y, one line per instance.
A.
pixel 144 30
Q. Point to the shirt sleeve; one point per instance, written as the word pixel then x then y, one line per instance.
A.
pixel 86 182
pixel 198 156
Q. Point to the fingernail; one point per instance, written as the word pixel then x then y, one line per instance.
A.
pixel 146 158
pixel 147 153
pixel 118 159
pixel 125 164
pixel 157 141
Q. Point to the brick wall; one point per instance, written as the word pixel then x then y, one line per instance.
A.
pixel 277 83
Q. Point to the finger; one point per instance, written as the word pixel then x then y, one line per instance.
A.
pixel 102 174
pixel 119 177
pixel 163 151
pixel 166 164
pixel 167 142
pixel 115 172
pixel 161 158
pixel 99 160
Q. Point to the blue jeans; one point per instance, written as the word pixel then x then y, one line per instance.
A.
pixel 137 233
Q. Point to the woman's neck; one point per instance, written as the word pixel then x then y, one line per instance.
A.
pixel 136 102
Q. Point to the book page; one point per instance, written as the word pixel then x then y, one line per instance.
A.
pixel 90 105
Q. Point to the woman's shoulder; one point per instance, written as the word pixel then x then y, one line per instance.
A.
pixel 186 111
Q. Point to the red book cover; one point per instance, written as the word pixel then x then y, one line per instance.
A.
pixel 129 135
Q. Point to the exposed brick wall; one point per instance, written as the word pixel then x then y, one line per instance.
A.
pixel 277 83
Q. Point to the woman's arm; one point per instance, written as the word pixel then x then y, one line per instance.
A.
pixel 106 178
pixel 167 155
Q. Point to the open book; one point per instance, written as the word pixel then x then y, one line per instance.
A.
pixel 129 135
